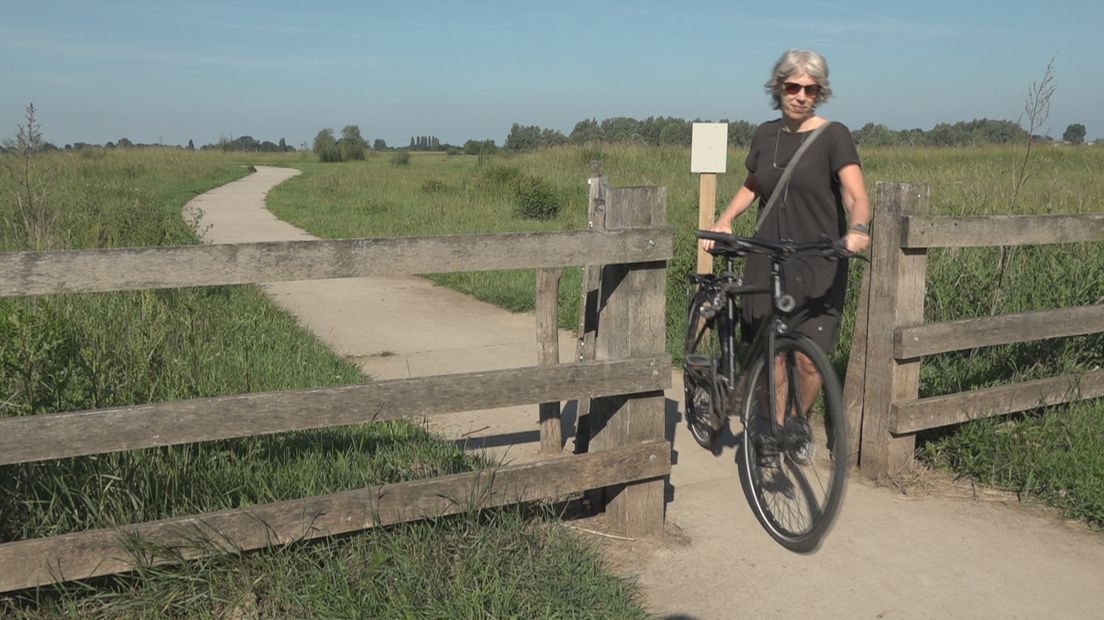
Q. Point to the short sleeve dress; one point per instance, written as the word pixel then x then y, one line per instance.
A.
pixel 809 208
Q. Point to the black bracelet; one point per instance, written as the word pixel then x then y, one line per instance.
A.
pixel 862 228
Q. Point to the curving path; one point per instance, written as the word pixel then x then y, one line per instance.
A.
pixel 948 553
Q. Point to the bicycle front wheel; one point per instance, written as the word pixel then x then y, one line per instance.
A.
pixel 795 443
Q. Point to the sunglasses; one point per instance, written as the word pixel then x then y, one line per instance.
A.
pixel 792 88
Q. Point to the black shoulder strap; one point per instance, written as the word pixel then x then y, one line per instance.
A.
pixel 788 172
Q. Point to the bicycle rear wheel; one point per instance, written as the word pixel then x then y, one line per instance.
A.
pixel 702 392
pixel 796 470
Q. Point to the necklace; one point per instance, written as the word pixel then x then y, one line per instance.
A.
pixel 774 164
pixel 774 160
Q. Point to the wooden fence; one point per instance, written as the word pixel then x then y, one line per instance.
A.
pixel 626 378
pixel 891 338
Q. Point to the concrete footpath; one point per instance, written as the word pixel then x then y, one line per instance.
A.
pixel 942 550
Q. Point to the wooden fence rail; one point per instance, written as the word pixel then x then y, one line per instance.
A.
pixel 626 378
pixel 891 339
pixel 93 553
pixel 86 271
pixel 60 435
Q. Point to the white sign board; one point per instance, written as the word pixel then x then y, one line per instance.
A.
pixel 709 148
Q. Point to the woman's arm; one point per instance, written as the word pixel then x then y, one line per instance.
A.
pixel 857 204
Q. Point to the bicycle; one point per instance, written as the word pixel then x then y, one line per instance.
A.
pixel 794 464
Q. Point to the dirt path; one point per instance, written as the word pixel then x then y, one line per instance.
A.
pixel 890 556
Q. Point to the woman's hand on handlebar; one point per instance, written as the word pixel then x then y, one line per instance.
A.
pixel 720 227
pixel 856 242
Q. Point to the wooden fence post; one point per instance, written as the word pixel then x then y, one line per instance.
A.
pixel 854 385
pixel 707 212
pixel 588 305
pixel 897 287
pixel 632 323
pixel 548 353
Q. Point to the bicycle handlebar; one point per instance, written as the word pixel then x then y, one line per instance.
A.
pixel 735 245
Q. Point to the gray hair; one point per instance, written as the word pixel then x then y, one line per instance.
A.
pixel 798 61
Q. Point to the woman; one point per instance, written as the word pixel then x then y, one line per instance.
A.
pixel 825 196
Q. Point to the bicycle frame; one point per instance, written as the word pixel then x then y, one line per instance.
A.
pixel 731 288
pixel 795 490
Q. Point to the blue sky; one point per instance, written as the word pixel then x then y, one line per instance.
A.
pixel 151 71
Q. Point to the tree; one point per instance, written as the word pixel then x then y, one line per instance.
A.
pixel 874 134
pixel 740 133
pixel 283 145
pixel 586 131
pixel 677 133
pixel 325 146
pixel 622 129
pixel 242 143
pixel 379 145
pixel 1074 134
pixel 191 145
pixel 352 145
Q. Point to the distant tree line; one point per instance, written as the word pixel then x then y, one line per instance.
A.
pixel 657 130
pixel 432 143
pixel 962 133
pixel 244 143
pixel 654 130
pixel 426 143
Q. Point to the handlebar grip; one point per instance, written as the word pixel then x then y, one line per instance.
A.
pixel 714 236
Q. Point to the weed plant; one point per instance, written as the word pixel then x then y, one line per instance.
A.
pixel 961 283
pixel 63 353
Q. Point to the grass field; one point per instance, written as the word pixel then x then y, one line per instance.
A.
pixel 438 194
pixel 87 351
pixel 77 352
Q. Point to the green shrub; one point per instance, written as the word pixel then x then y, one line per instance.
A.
pixel 400 158
pixel 535 199
pixel 329 153
pixel 351 151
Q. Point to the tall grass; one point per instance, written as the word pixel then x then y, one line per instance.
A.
pixel 63 353
pixel 372 199
pixel 498 564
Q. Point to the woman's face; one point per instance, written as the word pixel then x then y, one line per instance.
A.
pixel 799 94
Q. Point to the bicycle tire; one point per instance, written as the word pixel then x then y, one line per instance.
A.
pixel 795 494
pixel 702 395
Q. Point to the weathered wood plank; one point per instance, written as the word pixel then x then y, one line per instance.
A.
pixel 854 381
pixel 897 297
pixel 925 231
pixel 38 273
pixel 632 322
pixel 548 354
pixel 932 338
pixel 588 305
pixel 100 552
pixel 707 212
pixel 43 437
pixel 910 416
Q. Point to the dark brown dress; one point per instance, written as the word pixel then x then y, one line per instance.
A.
pixel 811 207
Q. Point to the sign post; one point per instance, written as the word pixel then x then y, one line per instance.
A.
pixel 708 157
